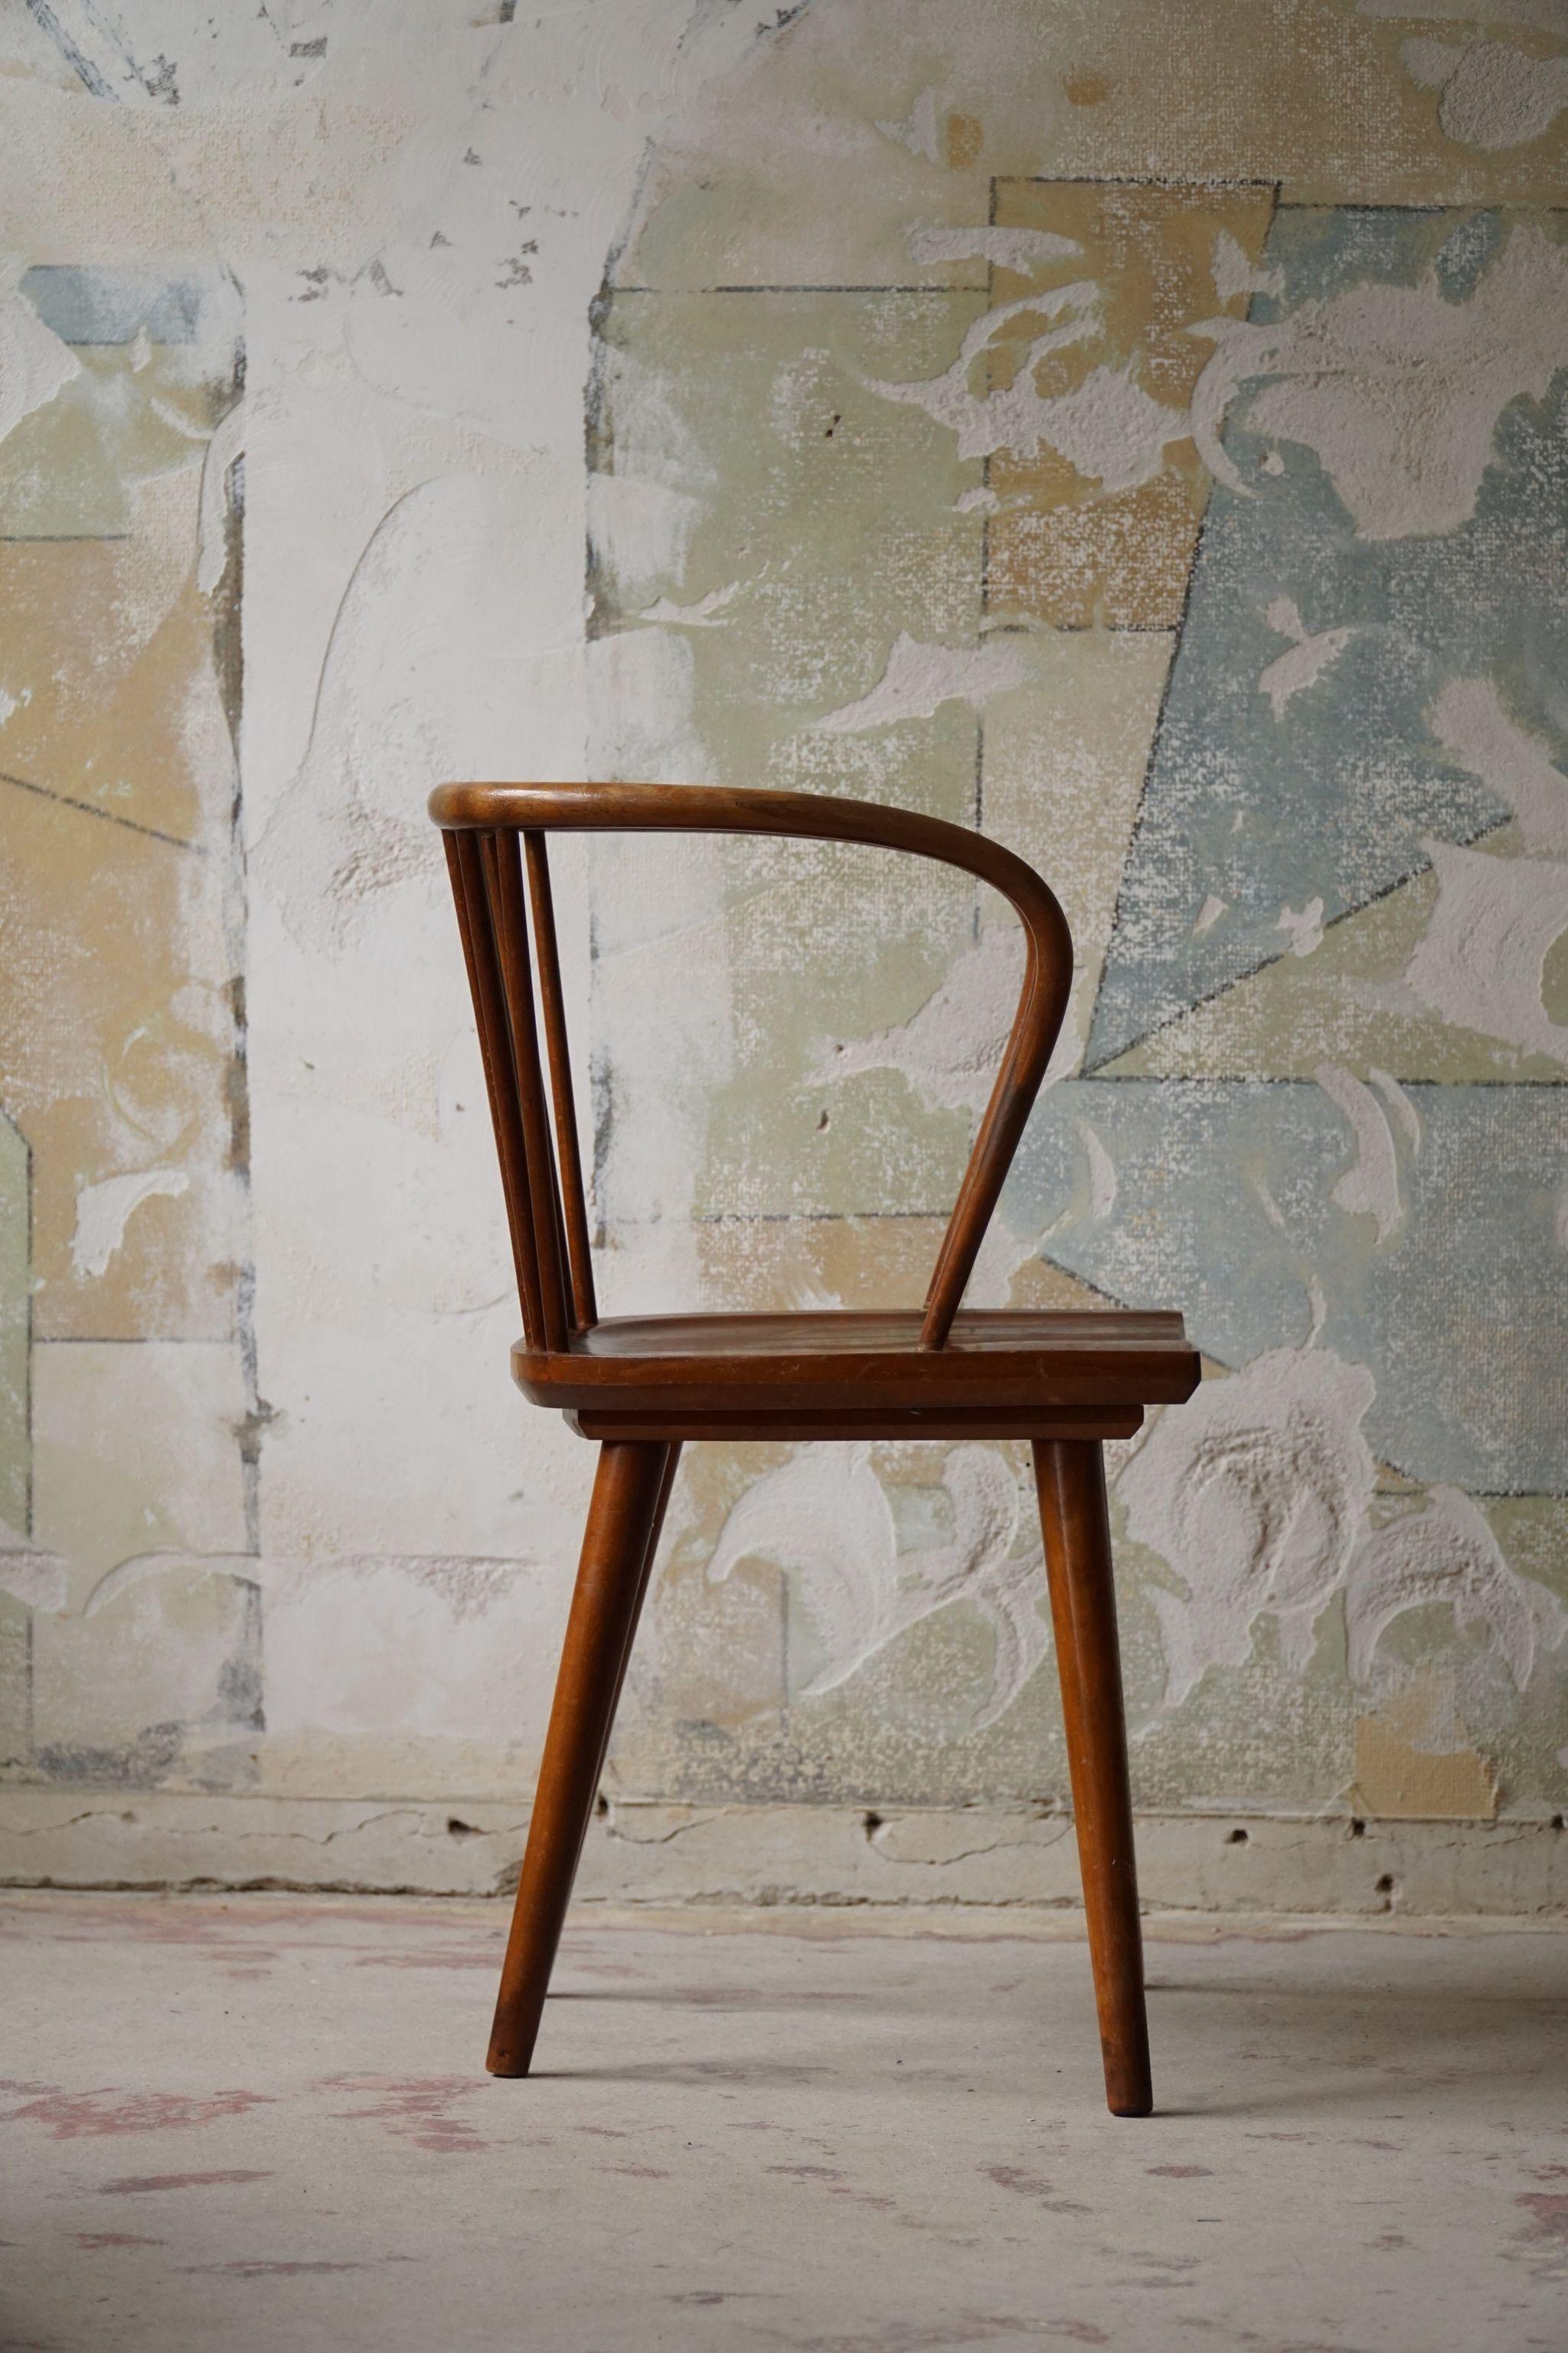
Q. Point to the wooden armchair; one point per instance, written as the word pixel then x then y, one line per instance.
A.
pixel 643 1385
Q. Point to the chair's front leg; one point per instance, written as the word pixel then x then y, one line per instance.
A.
pixel 631 1488
pixel 1070 1477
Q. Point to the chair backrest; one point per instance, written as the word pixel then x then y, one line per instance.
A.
pixel 495 835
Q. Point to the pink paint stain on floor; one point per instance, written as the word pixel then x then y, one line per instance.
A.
pixel 1549 2211
pixel 622 2196
pixel 257 2267
pixel 1024 2184
pixel 415 2109
pixel 143 2185
pixel 484 1961
pixel 68 2116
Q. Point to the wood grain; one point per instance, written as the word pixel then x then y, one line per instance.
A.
pixel 487 810
pixel 630 1490
pixel 1070 1478
pixel 642 1386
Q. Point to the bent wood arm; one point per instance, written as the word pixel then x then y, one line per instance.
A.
pixel 820 817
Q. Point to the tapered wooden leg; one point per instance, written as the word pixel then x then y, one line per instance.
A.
pixel 1070 1477
pixel 630 1491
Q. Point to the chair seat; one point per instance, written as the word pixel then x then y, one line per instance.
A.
pixel 1023 1369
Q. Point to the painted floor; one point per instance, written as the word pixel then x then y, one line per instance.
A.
pixel 262 2121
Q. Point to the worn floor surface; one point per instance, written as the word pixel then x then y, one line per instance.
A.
pixel 262 2121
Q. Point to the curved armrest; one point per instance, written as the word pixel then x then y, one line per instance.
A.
pixel 822 816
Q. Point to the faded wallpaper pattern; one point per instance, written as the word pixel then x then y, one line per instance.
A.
pixel 1139 434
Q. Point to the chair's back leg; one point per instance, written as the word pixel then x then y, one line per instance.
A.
pixel 1070 1477
pixel 630 1490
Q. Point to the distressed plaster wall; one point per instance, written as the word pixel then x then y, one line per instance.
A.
pixel 1140 432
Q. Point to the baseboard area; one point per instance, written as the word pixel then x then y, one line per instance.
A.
pixel 644 1852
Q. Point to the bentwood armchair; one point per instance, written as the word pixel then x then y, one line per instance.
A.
pixel 643 1386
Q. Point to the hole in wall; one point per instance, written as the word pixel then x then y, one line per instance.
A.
pixel 1238 1837
pixel 870 1825
pixel 1385 1886
pixel 1358 1828
pixel 1559 1822
pixel 601 1805
pixel 460 1830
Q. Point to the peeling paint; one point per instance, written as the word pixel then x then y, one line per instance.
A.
pixel 1493 94
pixel 33 361
pixel 1108 428
pixel 1009 248
pixel 703 615
pixel 1478 964
pixel 1309 654
pixel 30 1574
pixel 917 129
pixel 825 1519
pixel 225 448
pixel 1302 926
pixel 1396 389
pixel 1371 1186
pixel 1468 720
pixel 1445 1553
pixel 951 1048
pixel 103 1210
pixel 1254 1493
pixel 920 679
pixel 1234 274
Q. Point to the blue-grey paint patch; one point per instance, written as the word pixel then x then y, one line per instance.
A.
pixel 85 305
pixel 1468 252
pixel 1224 1208
pixel 1331 799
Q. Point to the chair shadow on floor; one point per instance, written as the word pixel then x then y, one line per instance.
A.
pixel 1399 2039
pixel 1318 2045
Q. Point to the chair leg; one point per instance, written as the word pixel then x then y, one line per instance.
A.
pixel 631 1488
pixel 1070 1478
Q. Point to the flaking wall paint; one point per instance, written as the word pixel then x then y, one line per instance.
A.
pixel 1141 437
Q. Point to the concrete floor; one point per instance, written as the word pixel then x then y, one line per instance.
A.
pixel 260 2121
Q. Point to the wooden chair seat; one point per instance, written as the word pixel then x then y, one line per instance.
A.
pixel 1037 1373
pixel 645 1385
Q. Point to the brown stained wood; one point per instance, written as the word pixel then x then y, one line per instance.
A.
pixel 463 854
pixel 671 1451
pixel 574 1200
pixel 504 884
pixel 1070 1478
pixel 643 1385
pixel 629 1491
pixel 891 1421
pixel 825 816
pixel 1124 1335
pixel 1007 1363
